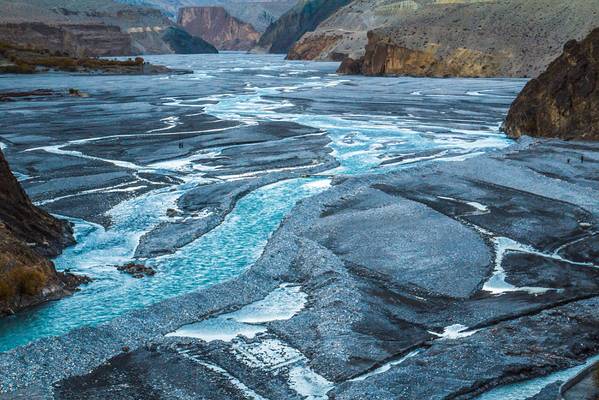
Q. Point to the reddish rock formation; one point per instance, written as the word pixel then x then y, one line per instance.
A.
pixel 27 235
pixel 217 27
pixel 564 100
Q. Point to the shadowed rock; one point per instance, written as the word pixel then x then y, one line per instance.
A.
pixel 563 101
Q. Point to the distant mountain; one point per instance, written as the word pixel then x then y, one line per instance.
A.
pixel 217 27
pixel 305 16
pixel 93 28
pixel 260 14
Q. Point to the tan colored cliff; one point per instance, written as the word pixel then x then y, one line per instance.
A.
pixel 216 26
pixel 564 100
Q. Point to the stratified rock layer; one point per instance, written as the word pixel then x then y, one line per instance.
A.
pixel 215 25
pixel 90 28
pixel 564 100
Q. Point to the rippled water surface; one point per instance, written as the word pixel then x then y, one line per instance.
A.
pixel 375 124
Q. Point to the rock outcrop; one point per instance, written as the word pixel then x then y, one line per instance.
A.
pixel 217 27
pixel 305 16
pixel 27 236
pixel 564 100
pixel 383 57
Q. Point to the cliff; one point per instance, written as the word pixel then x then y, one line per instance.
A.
pixel 27 236
pixel 305 16
pixel 217 27
pixel 564 100
pixel 511 38
pixel 87 28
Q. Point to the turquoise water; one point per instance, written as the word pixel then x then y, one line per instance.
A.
pixel 219 255
pixel 375 125
pixel 524 390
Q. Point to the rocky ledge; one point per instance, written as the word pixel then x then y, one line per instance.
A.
pixel 27 236
pixel 351 301
pixel 564 100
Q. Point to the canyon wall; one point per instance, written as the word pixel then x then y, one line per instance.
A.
pixel 87 28
pixel 305 16
pixel 217 27
pixel 564 100
pixel 27 236
pixel 259 13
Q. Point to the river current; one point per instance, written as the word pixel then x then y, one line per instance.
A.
pixel 375 125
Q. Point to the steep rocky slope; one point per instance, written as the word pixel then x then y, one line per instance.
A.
pixel 87 27
pixel 27 236
pixel 564 100
pixel 305 16
pixel 259 13
pixel 516 38
pixel 217 27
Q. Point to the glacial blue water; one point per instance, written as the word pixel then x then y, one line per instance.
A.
pixel 375 124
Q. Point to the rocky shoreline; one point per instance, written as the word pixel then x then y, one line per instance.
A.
pixel 475 306
pixel 22 60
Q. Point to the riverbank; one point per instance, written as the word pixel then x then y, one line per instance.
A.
pixel 507 292
pixel 22 60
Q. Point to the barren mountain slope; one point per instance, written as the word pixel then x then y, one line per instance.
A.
pixel 488 38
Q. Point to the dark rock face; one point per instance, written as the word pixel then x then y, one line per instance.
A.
pixel 216 26
pixel 304 17
pixel 182 42
pixel 27 235
pixel 46 234
pixel 564 100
